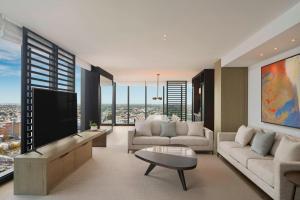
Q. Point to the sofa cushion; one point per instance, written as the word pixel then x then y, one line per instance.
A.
pixel 276 142
pixel 143 128
pixel 262 142
pixel 288 150
pixel 181 128
pixel 175 118
pixel 168 129
pixel 264 169
pixel 227 145
pixel 196 128
pixel 242 155
pixel 190 140
pixel 244 135
pixel 155 127
pixel 152 140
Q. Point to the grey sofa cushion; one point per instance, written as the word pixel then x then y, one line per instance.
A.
pixel 168 129
pixel 150 140
pixel 262 142
pixel 190 140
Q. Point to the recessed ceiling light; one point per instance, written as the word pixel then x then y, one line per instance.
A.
pixel 261 54
pixel 164 36
pixel 275 48
pixel 293 40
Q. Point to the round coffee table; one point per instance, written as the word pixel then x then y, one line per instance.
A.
pixel 179 158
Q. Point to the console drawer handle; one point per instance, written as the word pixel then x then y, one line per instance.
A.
pixel 64 155
pixel 84 144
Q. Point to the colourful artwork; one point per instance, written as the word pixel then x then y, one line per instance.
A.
pixel 280 92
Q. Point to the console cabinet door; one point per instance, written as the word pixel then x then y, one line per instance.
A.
pixel 55 172
pixel 68 163
pixel 83 153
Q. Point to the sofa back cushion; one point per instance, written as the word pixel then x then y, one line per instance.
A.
pixel 143 128
pixel 168 129
pixel 244 135
pixel 262 142
pixel 181 128
pixel 288 150
pixel 155 126
pixel 196 128
pixel 276 143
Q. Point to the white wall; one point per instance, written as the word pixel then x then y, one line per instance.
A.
pixel 254 96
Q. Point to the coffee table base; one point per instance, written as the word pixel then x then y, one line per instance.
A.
pixel 180 174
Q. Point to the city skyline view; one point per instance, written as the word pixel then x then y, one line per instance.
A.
pixel 10 100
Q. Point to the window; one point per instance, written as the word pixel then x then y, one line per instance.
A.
pixel 154 107
pixel 106 100
pixel 78 91
pixel 121 104
pixel 10 108
pixel 136 103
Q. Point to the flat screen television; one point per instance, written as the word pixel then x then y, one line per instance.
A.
pixel 54 116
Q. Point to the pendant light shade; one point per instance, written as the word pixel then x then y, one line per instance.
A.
pixel 157 89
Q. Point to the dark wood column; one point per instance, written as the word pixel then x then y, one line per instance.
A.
pixel 90 81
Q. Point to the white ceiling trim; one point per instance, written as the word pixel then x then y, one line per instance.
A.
pixel 287 20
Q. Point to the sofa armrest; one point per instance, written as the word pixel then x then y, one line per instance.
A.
pixel 131 134
pixel 226 136
pixel 283 188
pixel 209 134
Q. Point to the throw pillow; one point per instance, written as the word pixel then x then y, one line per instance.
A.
pixel 168 129
pixel 155 127
pixel 175 118
pixel 143 128
pixel 262 142
pixel 196 128
pixel 181 128
pixel 288 150
pixel 244 135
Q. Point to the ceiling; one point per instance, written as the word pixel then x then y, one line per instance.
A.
pixel 136 39
pixel 288 39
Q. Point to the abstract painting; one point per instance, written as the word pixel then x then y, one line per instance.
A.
pixel 280 92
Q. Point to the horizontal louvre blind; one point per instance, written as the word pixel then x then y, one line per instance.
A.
pixel 177 99
pixel 46 66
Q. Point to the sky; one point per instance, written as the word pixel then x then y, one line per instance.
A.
pixel 10 72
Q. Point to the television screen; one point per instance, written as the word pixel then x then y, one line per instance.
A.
pixel 54 116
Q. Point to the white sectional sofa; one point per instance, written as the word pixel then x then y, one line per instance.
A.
pixel 262 170
pixel 197 143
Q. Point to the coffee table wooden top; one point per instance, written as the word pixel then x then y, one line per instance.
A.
pixel 183 158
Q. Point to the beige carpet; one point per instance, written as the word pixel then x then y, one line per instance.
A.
pixel 115 175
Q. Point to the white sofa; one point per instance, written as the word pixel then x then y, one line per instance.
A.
pixel 262 170
pixel 197 143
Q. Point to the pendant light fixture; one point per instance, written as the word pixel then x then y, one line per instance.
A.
pixel 157 89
